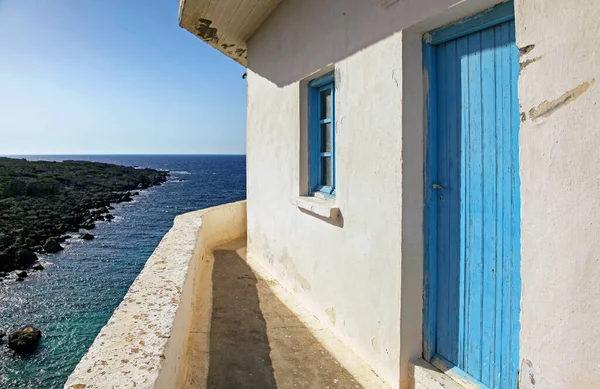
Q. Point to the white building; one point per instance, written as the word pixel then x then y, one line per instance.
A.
pixel 423 178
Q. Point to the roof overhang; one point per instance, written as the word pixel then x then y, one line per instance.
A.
pixel 228 24
pixel 225 24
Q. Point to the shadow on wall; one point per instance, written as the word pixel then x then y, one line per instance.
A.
pixel 239 347
pixel 328 30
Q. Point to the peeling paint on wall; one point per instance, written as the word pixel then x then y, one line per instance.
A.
pixel 239 52
pixel 205 31
pixel 331 313
pixel 547 108
pixel 530 376
pixel 292 271
pixel 526 49
pixel 375 344
pixel 528 62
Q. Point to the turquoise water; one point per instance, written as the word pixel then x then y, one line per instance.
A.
pixel 80 287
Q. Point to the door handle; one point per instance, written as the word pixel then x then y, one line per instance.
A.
pixel 437 186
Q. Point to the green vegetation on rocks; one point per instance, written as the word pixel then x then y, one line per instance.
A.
pixel 40 201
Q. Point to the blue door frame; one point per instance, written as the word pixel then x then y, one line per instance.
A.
pixel 495 16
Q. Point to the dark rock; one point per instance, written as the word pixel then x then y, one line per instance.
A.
pixel 25 340
pixel 52 246
pixel 22 274
pixel 40 200
pixel 111 207
pixel 20 279
pixel 181 179
pixel 38 266
pixel 3 274
pixel 109 217
pixel 2 335
pixel 26 257
pixel 6 261
pixel 88 225
pixel 86 236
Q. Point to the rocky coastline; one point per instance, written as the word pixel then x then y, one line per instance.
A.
pixel 43 203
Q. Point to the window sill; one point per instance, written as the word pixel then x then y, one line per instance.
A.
pixel 322 207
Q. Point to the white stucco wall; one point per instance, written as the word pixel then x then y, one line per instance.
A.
pixel 349 271
pixel 346 271
pixel 560 193
pixel 363 273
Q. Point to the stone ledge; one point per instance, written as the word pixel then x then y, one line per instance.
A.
pixel 321 207
pixel 142 344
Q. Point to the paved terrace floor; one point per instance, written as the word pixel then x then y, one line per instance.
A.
pixel 254 340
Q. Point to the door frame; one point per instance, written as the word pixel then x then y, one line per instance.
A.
pixel 497 14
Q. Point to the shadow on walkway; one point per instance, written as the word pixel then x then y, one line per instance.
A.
pixel 239 346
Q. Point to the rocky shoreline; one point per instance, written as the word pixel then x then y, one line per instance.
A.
pixel 44 203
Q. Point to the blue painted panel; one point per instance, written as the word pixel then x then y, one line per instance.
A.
pixel 430 215
pixel 488 18
pixel 489 233
pixel 472 138
pixel 515 218
pixel 319 161
pixel 473 281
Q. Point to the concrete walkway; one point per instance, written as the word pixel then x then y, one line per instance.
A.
pixel 254 340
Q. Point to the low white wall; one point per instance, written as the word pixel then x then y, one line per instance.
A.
pixel 143 343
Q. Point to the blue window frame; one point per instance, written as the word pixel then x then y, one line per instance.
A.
pixel 321 137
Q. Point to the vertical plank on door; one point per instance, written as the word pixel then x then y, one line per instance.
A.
pixel 515 267
pixel 474 139
pixel 489 233
pixel 444 337
pixel 501 37
pixel 507 194
pixel 452 194
pixel 462 46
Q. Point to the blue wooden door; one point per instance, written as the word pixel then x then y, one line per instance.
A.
pixel 474 220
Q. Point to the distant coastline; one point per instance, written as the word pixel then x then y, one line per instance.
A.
pixel 42 202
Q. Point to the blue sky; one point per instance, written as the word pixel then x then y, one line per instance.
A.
pixel 113 77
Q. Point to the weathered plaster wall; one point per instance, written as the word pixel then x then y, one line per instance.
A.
pixel 363 273
pixel 559 94
pixel 143 344
pixel 348 272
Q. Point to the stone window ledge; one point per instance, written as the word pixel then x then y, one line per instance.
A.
pixel 323 207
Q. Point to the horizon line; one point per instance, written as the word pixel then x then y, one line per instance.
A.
pixel 113 154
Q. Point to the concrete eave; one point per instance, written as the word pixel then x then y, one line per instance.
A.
pixel 225 24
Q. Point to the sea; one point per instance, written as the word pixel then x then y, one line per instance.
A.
pixel 75 295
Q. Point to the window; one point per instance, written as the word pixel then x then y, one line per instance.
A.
pixel 321 137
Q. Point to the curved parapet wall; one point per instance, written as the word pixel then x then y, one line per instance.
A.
pixel 143 343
